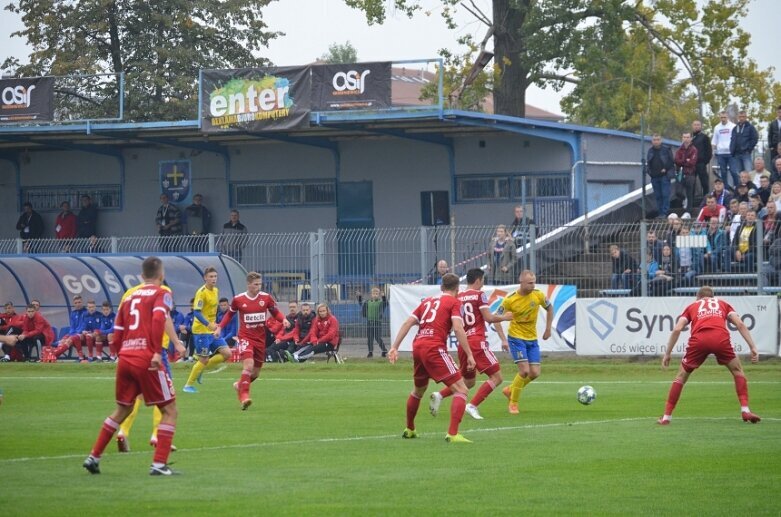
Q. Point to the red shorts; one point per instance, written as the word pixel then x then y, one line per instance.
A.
pixel 485 360
pixel 132 380
pixel 254 350
pixel 77 339
pixel 698 349
pixel 434 363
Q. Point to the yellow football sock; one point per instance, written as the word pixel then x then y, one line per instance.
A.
pixel 198 367
pixel 156 417
pixel 125 426
pixel 515 388
pixel 215 360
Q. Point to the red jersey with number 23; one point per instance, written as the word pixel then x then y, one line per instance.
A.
pixel 133 327
pixel 708 316
pixel 472 301
pixel 252 315
pixel 434 315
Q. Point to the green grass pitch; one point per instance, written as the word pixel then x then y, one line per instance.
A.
pixel 326 440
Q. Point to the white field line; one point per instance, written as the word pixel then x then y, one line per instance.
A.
pixel 396 436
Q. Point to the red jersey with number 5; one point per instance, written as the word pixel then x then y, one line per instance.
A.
pixel 708 316
pixel 435 320
pixel 137 329
pixel 252 315
pixel 472 301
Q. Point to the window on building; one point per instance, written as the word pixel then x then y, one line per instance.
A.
pixel 288 193
pixel 511 187
pixel 48 199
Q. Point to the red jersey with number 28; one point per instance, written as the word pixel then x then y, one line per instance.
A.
pixel 435 320
pixel 252 315
pixel 471 302
pixel 139 336
pixel 708 316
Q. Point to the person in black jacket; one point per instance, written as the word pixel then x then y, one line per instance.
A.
pixel 744 140
pixel 774 135
pixel 660 166
pixel 625 269
pixel 30 226
pixel 87 220
pixel 701 142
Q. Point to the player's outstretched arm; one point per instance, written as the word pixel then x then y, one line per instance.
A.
pixel 496 320
pixel 744 332
pixel 393 353
pixel 679 326
pixel 458 330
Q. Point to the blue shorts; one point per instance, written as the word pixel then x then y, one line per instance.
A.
pixel 206 344
pixel 524 350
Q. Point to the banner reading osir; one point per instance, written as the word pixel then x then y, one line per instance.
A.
pixel 642 326
pixel 351 86
pixel 255 99
pixel 26 99
pixel 405 298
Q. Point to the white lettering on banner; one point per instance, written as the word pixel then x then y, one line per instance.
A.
pixel 78 285
pixel 91 283
pixel 350 81
pixel 642 326
pixel 111 282
pixel 18 95
pixel 72 284
pixel 264 100
pixel 254 317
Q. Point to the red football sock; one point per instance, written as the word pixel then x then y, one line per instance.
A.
pixel 413 403
pixel 165 435
pixel 61 348
pixel 90 345
pixel 456 412
pixel 99 346
pixel 741 386
pixel 104 437
pixel 485 389
pixel 445 392
pixel 244 383
pixel 673 396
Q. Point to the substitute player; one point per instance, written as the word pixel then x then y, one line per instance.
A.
pixel 211 351
pixel 251 307
pixel 435 317
pixel 139 329
pixel 525 305
pixel 709 335
pixel 476 314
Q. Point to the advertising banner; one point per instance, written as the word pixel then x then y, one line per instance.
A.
pixel 255 99
pixel 176 181
pixel 26 99
pixel 351 86
pixel 642 326
pixel 405 298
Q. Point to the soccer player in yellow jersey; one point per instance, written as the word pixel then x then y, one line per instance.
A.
pixel 169 336
pixel 525 305
pixel 211 350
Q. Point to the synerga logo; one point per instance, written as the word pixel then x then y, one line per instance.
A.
pixel 602 318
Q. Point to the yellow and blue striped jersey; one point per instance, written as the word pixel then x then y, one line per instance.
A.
pixel 206 301
pixel 166 339
pixel 524 309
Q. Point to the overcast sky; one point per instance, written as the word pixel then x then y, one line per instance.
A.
pixel 312 25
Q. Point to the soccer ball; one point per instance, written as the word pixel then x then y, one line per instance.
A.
pixel 586 395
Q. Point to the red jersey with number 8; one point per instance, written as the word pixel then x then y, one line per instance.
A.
pixel 435 320
pixel 472 301
pixel 708 316
pixel 252 315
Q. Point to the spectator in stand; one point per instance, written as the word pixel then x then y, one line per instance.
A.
pixel 723 196
pixel 774 135
pixel 285 339
pixel 625 268
pixel 764 189
pixel 744 140
pixel 76 337
pixel 744 245
pixel 92 320
pixel 501 257
pixel 87 219
pixel 297 337
pixel 771 225
pixel 519 230
pixel 199 222
pixel 741 193
pixel 674 225
pixel 105 334
pixel 775 174
pixel 229 332
pixel 373 310
pixel 65 226
pixel 773 270
pixel 435 276
pixel 323 335
pixel 664 277
pixel 35 331
pixel 30 226
pixel 654 245
pixel 738 218
pixel 775 194
pixel 755 203
pixel 712 209
pixel 745 179
pixel 715 247
pixel 686 160
pixel 234 236
pixel 169 224
pixel 701 142
pixel 688 260
pixel 660 165
pixel 759 170
pixel 722 144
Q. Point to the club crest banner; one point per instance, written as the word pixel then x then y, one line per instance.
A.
pixel 176 181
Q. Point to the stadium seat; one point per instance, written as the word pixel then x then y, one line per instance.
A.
pixel 334 354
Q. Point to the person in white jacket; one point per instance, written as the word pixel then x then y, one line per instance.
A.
pixel 722 137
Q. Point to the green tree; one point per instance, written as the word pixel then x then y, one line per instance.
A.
pixel 160 46
pixel 337 53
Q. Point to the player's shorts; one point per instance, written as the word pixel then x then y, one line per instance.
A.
pixel 698 349
pixel 485 360
pixel 254 350
pixel 433 363
pixel 132 380
pixel 524 350
pixel 206 344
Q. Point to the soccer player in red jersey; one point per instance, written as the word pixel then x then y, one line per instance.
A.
pixel 709 335
pixel 435 317
pixel 138 331
pixel 251 307
pixel 476 314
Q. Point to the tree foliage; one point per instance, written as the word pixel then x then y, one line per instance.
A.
pixel 338 53
pixel 160 46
